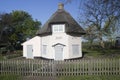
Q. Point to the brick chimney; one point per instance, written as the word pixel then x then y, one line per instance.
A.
pixel 60 6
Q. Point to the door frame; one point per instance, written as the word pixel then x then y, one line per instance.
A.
pixel 62 52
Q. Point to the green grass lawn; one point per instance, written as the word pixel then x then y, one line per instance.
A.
pixel 1 57
pixel 10 77
pixel 95 53
pixel 93 77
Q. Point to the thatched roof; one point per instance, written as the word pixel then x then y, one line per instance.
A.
pixel 61 17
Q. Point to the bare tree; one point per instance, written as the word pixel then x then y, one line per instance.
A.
pixel 90 34
pixel 104 14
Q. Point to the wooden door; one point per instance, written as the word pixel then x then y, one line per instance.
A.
pixel 29 51
pixel 58 52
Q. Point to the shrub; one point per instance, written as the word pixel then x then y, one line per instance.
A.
pixel 14 55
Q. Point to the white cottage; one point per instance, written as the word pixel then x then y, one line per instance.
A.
pixel 59 38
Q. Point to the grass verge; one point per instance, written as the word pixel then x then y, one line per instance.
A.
pixel 93 77
pixel 10 77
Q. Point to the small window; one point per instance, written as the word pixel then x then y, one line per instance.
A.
pixel 75 49
pixel 44 50
pixel 58 28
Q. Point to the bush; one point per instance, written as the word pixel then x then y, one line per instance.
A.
pixel 14 55
pixel 3 50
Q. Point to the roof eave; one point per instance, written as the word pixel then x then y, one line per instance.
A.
pixel 44 34
pixel 75 33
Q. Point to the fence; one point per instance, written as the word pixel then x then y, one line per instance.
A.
pixel 61 68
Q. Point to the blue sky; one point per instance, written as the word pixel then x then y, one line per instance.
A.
pixel 39 9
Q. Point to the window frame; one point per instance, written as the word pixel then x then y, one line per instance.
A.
pixel 58 28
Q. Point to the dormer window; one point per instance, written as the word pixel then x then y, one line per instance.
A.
pixel 57 28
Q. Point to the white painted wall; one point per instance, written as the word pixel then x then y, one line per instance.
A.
pixel 35 42
pixel 65 39
pixel 53 39
pixel 74 40
pixel 62 38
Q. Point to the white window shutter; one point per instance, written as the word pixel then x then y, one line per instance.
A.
pixel 75 49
